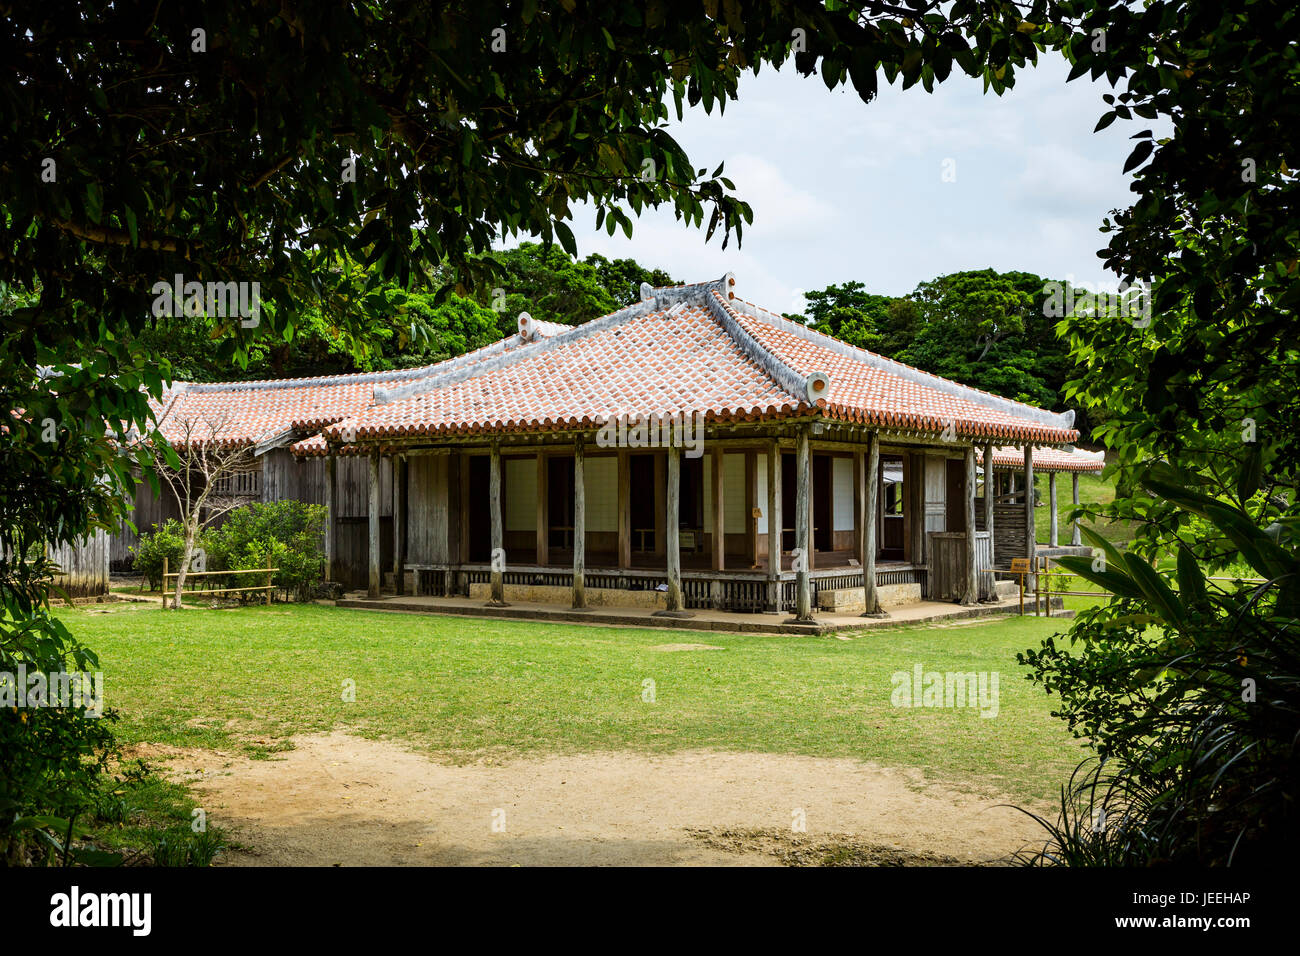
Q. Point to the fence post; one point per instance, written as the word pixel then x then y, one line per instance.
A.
pixel 1047 585
pixel 268 578
pixel 164 582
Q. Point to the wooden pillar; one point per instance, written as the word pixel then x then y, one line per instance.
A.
pixel 1075 537
pixel 1031 543
pixel 774 600
pixel 1051 497
pixel 497 556
pixel 331 514
pixel 579 524
pixel 672 522
pixel 803 525
pixel 719 512
pixel 624 509
pixel 868 522
pixel 990 493
pixel 812 533
pixel 751 504
pixel 971 592
pixel 372 512
pixel 400 473
pixel 543 546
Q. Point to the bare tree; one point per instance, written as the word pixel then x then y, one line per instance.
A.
pixel 207 478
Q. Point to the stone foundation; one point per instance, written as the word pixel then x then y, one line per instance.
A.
pixel 850 600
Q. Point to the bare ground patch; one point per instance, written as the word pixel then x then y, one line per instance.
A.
pixel 341 800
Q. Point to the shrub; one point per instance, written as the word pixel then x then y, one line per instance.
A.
pixel 167 542
pixel 1189 689
pixel 51 758
pixel 289 535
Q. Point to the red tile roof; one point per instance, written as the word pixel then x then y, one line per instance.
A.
pixel 255 412
pixel 693 348
pixel 1051 459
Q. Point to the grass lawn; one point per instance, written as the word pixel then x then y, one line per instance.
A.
pixel 468 689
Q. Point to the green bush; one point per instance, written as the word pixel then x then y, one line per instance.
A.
pixel 51 757
pixel 1189 690
pixel 288 535
pixel 167 542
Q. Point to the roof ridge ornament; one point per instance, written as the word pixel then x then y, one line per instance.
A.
pixel 818 388
pixel 527 327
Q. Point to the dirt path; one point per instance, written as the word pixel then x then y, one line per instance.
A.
pixel 342 800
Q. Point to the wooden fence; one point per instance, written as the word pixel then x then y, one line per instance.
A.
pixel 268 587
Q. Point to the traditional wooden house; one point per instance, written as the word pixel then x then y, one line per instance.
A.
pixel 690 450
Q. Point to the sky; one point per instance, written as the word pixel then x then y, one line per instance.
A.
pixel 844 190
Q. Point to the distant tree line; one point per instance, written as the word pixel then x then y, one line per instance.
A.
pixel 992 330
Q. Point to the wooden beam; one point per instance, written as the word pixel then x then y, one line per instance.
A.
pixel 990 493
pixel 331 514
pixel 1075 538
pixel 971 590
pixel 719 512
pixel 868 523
pixel 803 526
pixel 372 512
pixel 579 525
pixel 1052 531
pixel 624 509
pixel 494 507
pixel 543 531
pixel 400 474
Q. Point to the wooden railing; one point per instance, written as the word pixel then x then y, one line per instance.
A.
pixel 269 588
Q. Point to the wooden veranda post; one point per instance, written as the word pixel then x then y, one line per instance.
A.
pixel 971 591
pixel 399 524
pixel 719 512
pixel 1031 543
pixel 1051 496
pixel 867 524
pixel 331 514
pixel 803 525
pixel 372 511
pixel 672 532
pixel 774 599
pixel 989 494
pixel 579 525
pixel 624 509
pixel 497 556
pixel 543 546
pixel 1075 538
